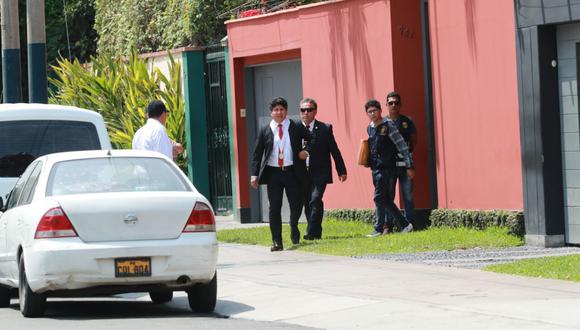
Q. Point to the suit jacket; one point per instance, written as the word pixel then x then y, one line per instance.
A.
pixel 265 143
pixel 321 146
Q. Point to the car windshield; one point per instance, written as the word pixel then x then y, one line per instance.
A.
pixel 114 174
pixel 22 141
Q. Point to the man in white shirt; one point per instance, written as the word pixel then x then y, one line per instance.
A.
pixel 153 135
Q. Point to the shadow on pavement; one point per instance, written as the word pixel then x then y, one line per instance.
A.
pixel 111 308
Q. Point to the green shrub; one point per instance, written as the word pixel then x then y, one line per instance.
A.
pixel 364 215
pixel 476 219
pixel 120 89
pixel 479 219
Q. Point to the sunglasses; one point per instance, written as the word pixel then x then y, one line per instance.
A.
pixel 391 103
pixel 307 109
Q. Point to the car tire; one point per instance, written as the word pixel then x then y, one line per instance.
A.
pixel 160 297
pixel 202 297
pixel 4 297
pixel 31 304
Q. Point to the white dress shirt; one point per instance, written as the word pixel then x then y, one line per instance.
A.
pixel 153 136
pixel 283 145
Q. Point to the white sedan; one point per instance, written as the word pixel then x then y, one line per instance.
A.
pixel 106 222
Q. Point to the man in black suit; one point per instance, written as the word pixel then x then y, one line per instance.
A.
pixel 278 162
pixel 321 146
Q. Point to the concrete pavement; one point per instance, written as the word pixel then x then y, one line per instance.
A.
pixel 345 293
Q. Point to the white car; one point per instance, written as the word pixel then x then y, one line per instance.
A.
pixel 106 222
pixel 28 131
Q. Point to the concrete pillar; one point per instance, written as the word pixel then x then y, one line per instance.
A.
pixel 37 80
pixel 11 76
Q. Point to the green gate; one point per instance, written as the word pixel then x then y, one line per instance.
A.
pixel 218 132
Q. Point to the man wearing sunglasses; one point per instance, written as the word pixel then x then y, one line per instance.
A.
pixel 385 142
pixel 408 130
pixel 321 146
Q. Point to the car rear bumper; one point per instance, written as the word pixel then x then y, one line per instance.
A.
pixel 69 264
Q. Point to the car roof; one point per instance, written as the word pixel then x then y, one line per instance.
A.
pixel 36 111
pixel 74 155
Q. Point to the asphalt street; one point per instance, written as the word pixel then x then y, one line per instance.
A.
pixel 131 311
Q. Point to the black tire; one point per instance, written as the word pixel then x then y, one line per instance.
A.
pixel 202 297
pixel 31 304
pixel 160 297
pixel 4 297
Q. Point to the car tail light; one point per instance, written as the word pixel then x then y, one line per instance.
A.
pixel 201 219
pixel 54 224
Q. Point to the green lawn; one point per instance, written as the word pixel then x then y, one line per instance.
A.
pixel 561 268
pixel 347 238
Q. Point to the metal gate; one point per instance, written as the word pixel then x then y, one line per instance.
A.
pixel 218 132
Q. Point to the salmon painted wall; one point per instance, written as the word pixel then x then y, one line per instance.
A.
pixel 476 104
pixel 407 41
pixel 346 52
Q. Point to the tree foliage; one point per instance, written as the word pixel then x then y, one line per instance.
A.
pixel 120 91
pixel 82 37
pixel 153 25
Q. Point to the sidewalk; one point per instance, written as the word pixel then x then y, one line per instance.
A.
pixel 345 293
pixel 227 222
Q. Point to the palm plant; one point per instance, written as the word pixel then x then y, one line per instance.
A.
pixel 120 89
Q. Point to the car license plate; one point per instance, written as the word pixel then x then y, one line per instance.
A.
pixel 133 267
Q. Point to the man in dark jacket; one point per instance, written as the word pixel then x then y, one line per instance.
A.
pixel 408 131
pixel 385 142
pixel 321 146
pixel 278 162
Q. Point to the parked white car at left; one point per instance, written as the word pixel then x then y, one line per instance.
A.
pixel 106 222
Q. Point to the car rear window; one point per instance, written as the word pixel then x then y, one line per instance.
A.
pixel 23 141
pixel 114 174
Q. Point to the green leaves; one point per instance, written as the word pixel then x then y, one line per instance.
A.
pixel 153 25
pixel 479 219
pixel 120 89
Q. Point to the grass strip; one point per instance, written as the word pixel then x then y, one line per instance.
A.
pixel 560 268
pixel 347 238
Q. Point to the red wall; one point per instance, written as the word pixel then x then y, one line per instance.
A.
pixel 476 104
pixel 346 51
pixel 409 82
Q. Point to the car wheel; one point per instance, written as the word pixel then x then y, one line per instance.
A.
pixel 4 296
pixel 160 297
pixel 31 304
pixel 202 297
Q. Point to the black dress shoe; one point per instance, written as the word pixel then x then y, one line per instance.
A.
pixel 308 237
pixel 296 240
pixel 276 247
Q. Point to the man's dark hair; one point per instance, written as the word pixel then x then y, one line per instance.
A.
pixel 155 109
pixel 372 103
pixel 311 101
pixel 278 101
pixel 393 94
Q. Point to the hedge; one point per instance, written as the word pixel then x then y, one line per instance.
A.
pixel 476 219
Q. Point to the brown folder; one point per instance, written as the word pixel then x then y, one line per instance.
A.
pixel 363 153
